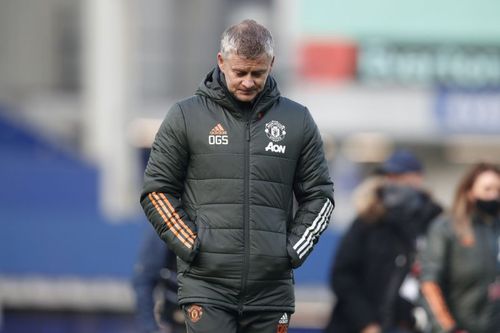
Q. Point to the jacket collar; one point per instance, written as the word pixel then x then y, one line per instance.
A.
pixel 214 87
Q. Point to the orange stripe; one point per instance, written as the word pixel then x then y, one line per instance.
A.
pixel 172 224
pixel 433 295
pixel 177 215
pixel 167 221
pixel 189 238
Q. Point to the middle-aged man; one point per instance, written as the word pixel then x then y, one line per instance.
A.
pixel 219 189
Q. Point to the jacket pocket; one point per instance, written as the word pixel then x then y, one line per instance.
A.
pixel 184 266
pixel 202 228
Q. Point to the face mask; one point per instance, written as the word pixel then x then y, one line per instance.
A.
pixel 490 207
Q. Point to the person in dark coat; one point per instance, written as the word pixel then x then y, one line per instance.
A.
pixel 155 288
pixel 460 280
pixel 371 274
pixel 219 187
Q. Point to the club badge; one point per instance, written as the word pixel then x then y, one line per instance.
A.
pixel 194 313
pixel 275 131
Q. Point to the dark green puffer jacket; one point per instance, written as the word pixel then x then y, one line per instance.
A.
pixel 219 190
pixel 464 274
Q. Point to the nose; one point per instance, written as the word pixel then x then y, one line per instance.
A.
pixel 247 83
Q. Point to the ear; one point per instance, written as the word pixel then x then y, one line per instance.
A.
pixel 272 63
pixel 220 62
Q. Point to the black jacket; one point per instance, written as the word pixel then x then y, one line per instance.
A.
pixel 219 190
pixel 374 258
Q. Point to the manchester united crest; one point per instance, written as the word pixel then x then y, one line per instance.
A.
pixel 275 131
pixel 194 312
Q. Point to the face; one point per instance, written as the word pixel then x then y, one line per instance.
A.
pixel 245 78
pixel 486 187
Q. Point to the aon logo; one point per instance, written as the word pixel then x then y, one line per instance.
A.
pixel 218 139
pixel 275 148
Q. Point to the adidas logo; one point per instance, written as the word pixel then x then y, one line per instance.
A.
pixel 284 319
pixel 218 136
pixel 218 130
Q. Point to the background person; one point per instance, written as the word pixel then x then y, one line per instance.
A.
pixel 219 187
pixel 377 252
pixel 155 287
pixel 461 262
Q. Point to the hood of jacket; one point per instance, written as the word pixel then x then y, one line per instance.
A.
pixel 214 87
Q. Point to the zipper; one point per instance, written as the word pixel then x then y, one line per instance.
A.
pixel 246 214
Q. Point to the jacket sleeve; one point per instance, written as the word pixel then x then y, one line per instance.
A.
pixel 433 259
pixel 313 190
pixel 163 186
pixel 347 276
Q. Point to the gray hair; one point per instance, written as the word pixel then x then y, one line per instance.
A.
pixel 247 39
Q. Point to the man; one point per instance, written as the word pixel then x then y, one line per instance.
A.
pixel 219 189
pixel 374 271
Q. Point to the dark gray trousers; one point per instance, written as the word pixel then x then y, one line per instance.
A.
pixel 209 318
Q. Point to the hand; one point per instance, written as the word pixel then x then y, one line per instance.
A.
pixel 372 328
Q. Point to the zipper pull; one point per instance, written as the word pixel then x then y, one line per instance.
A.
pixel 248 131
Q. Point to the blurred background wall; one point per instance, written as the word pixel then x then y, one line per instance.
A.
pixel 84 85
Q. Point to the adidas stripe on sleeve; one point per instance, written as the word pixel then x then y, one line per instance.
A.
pixel 306 242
